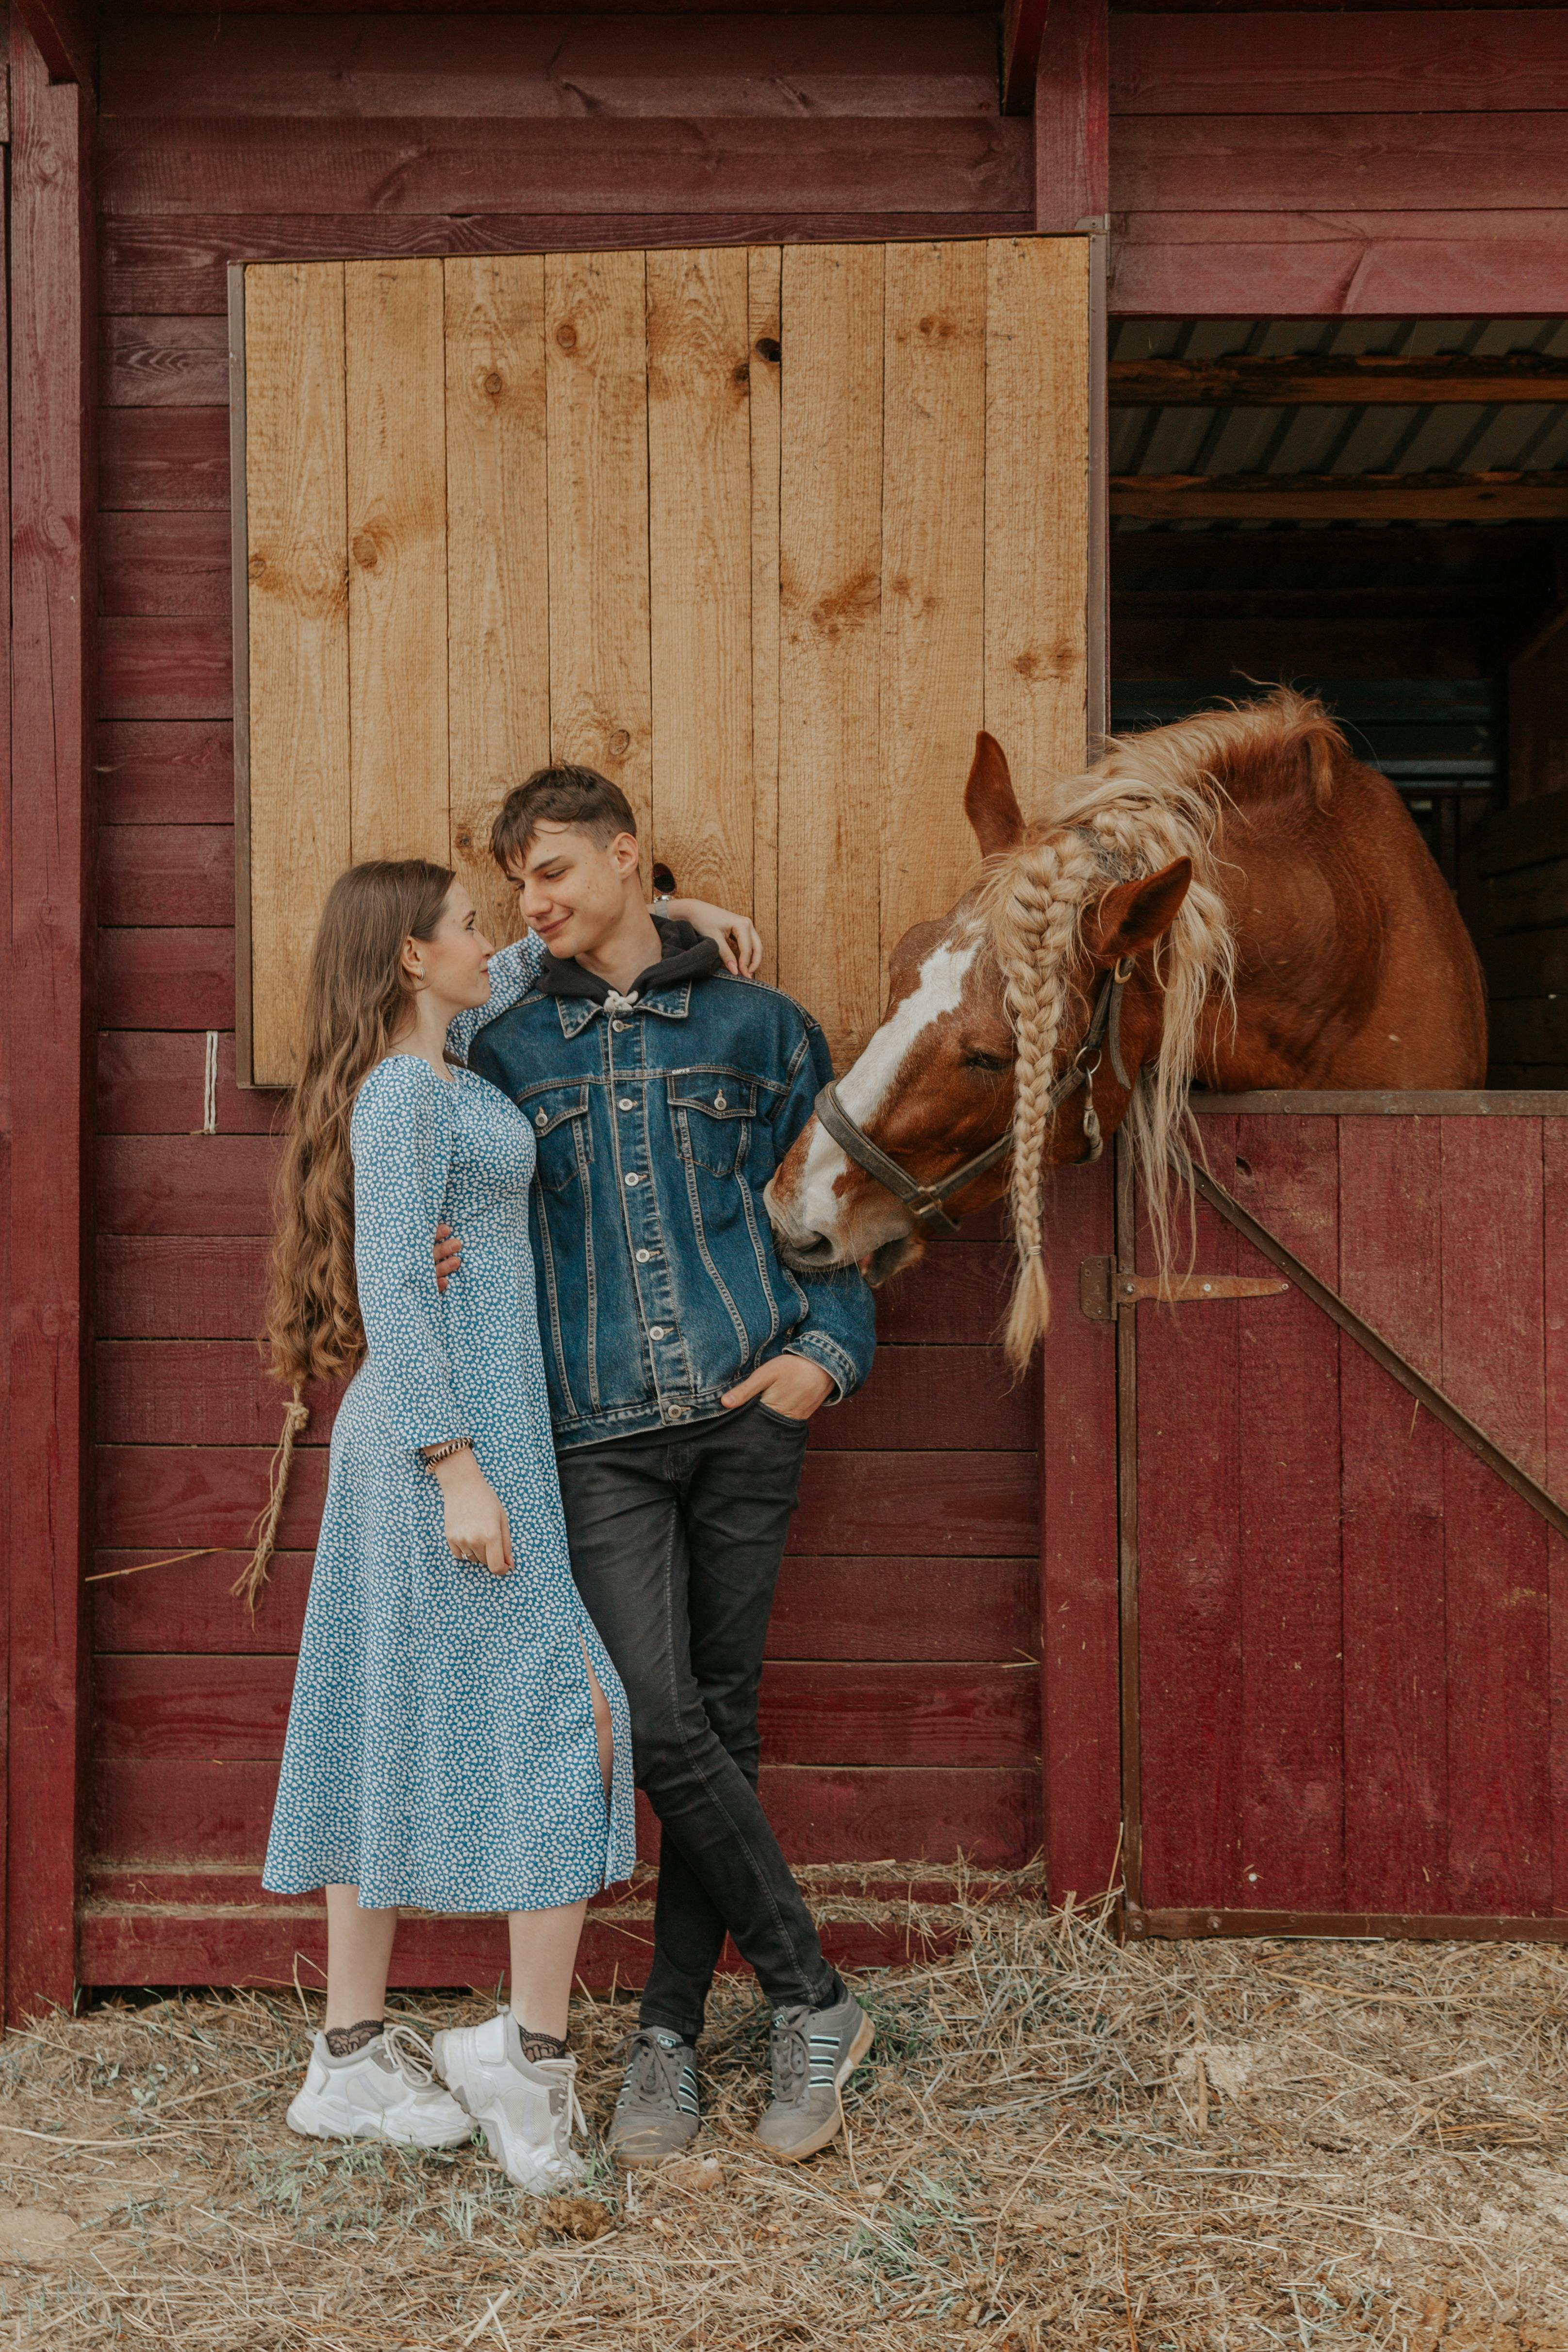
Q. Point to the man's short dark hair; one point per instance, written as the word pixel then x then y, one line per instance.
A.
pixel 560 795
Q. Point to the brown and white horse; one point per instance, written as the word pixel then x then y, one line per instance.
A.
pixel 1278 922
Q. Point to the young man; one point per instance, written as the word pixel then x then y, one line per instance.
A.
pixel 685 1363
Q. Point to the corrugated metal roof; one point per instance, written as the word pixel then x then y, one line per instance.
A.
pixel 1459 436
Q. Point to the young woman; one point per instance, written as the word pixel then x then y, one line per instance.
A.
pixel 458 1738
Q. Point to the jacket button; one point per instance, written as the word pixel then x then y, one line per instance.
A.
pixel 720 1103
pixel 541 1118
pixel 655 1330
pixel 644 1255
pixel 618 1025
pixel 677 1412
pixel 634 1179
pixel 625 1103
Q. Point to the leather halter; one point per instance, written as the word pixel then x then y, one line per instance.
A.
pixel 924 1201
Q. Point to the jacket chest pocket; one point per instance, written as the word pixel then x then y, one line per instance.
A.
pixel 711 1112
pixel 562 1138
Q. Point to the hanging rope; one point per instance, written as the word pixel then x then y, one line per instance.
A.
pixel 209 1125
pixel 264 1534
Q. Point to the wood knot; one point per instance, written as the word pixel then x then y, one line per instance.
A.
pixel 364 550
pixel 464 839
pixel 741 375
pixel 768 347
pixel 495 380
pixel 620 743
pixel 566 336
pixel 255 567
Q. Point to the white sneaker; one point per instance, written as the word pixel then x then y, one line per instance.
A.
pixel 388 2090
pixel 526 2108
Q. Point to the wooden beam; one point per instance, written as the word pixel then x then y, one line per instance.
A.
pixel 65 34
pixel 1372 380
pixel 52 315
pixel 1023 29
pixel 1073 119
pixel 1340 498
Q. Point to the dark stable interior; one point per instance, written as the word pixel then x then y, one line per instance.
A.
pixel 1434 642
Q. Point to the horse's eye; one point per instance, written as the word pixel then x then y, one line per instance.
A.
pixel 985 1061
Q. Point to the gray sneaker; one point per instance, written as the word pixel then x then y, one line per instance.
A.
pixel 657 2112
pixel 814 2051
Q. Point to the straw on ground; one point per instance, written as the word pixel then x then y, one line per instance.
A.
pixel 1058 2142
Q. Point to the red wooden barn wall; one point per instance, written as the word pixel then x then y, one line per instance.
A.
pixel 1380 164
pixel 1409 163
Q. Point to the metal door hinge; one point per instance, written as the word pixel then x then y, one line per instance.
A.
pixel 1104 1290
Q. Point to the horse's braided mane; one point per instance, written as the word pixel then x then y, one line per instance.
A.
pixel 1149 800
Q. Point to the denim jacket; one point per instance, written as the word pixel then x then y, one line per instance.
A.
pixel 657 1126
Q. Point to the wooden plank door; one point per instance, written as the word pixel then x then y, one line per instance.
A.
pixel 766 535
pixel 1344 1706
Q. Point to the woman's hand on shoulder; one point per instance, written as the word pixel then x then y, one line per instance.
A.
pixel 739 941
pixel 477 1528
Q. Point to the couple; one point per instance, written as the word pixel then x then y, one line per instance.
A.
pixel 561 1476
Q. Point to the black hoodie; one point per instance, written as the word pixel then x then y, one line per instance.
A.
pixel 688 956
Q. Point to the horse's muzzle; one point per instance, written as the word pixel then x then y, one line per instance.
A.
pixel 808 1253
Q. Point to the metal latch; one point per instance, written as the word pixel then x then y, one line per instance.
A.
pixel 1104 1290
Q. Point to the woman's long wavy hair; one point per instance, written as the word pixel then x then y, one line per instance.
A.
pixel 357 999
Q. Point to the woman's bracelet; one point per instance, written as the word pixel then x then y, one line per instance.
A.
pixel 431 1454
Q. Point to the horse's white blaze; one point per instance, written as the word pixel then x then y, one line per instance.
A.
pixel 866 1085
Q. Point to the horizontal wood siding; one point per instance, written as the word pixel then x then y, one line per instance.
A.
pixel 1347 1622
pixel 1344 163
pixel 902 1713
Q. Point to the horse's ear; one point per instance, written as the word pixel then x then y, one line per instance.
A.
pixel 1133 915
pixel 990 801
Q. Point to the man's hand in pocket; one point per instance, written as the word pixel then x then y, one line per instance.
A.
pixel 790 1385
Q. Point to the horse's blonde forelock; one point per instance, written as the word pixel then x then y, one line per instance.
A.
pixel 1149 799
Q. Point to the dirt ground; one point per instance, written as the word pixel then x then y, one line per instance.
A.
pixel 1056 2142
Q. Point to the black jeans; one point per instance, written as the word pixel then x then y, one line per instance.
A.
pixel 675 1545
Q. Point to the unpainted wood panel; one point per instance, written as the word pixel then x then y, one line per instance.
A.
pixel 498 562
pixel 296 499
pixel 1037 507
pixel 829 589
pixel 764 271
pixel 934 591
pixel 699 552
pixel 397 558
pixel 597 407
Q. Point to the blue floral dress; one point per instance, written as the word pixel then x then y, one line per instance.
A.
pixel 441 1748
